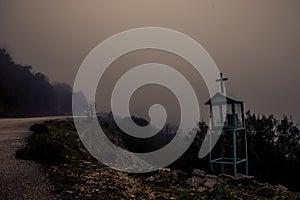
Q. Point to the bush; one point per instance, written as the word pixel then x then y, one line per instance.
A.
pixel 53 142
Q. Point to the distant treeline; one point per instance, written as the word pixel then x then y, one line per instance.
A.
pixel 24 93
pixel 139 145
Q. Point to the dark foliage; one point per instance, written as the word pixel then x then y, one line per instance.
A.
pixel 139 145
pixel 24 93
pixel 53 144
pixel 274 150
pixel 190 159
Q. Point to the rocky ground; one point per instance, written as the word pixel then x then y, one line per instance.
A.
pixel 92 181
pixel 76 175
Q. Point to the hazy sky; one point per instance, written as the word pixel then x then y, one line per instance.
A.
pixel 254 43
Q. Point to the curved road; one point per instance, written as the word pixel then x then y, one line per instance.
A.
pixel 21 179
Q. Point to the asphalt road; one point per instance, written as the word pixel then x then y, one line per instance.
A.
pixel 21 179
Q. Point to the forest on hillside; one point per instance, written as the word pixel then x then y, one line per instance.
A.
pixel 24 93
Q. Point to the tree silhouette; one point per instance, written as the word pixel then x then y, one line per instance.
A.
pixel 273 149
pixel 25 93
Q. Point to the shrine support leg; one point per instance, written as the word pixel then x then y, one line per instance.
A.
pixel 210 154
pixel 222 153
pixel 234 153
pixel 246 151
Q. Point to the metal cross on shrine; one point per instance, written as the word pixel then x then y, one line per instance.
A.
pixel 229 125
pixel 221 80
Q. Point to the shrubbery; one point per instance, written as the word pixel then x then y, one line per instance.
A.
pixel 274 149
pixel 53 142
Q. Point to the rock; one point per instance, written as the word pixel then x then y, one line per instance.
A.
pixel 210 183
pixel 211 176
pixel 257 183
pixel 242 176
pixel 177 174
pixel 195 181
pixel 164 171
pixel 265 191
pixel 201 189
pixel 151 179
pixel 239 179
pixel 230 177
pixel 280 188
pixel 197 172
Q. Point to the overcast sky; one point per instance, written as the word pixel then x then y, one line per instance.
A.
pixel 254 43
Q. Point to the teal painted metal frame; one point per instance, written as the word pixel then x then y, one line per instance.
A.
pixel 231 160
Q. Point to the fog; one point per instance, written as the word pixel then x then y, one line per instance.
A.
pixel 254 43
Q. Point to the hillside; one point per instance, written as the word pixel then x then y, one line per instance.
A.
pixel 77 175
